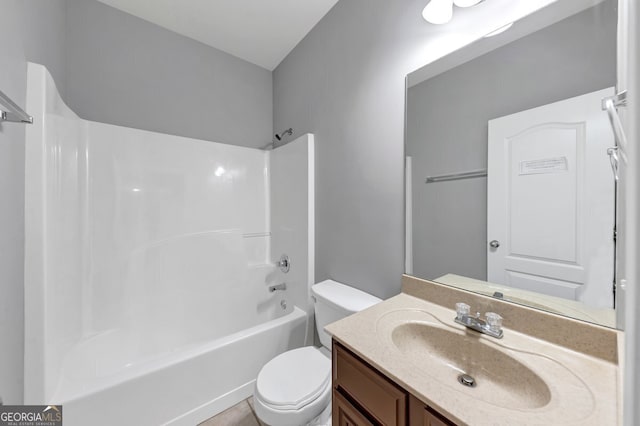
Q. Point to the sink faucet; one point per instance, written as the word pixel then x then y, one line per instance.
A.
pixel 491 325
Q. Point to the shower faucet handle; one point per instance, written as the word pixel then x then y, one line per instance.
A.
pixel 278 287
pixel 284 263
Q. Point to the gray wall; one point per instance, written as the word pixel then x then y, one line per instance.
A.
pixel 34 31
pixel 447 128
pixel 344 82
pixel 126 71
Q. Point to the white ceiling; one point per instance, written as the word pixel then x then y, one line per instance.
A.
pixel 259 31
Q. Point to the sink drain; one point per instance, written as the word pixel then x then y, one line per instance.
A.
pixel 467 380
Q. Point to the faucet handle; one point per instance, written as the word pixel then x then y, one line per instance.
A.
pixel 462 309
pixel 494 321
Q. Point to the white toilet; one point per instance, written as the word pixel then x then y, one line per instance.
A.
pixel 294 388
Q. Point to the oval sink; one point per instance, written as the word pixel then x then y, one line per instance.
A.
pixel 498 378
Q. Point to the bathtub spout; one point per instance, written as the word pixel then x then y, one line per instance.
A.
pixel 280 287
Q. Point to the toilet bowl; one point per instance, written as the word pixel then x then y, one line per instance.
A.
pixel 294 388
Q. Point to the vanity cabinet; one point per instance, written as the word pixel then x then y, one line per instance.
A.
pixel 423 415
pixel 345 414
pixel 363 396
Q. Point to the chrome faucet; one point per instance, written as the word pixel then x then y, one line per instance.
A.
pixel 280 287
pixel 491 325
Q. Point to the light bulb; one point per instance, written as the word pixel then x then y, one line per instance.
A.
pixel 466 3
pixel 438 11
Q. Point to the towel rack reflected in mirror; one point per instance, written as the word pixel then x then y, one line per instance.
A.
pixel 456 176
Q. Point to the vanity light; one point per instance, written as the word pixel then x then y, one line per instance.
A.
pixel 438 11
pixel 466 3
pixel 499 30
pixel 441 11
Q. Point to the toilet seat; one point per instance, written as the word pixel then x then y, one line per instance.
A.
pixel 294 387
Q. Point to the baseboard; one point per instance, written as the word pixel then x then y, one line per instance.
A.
pixel 218 405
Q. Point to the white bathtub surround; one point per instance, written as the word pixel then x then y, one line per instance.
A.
pixel 292 219
pixel 148 258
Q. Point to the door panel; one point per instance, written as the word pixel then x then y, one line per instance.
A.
pixel 542 284
pixel 551 200
pixel 534 233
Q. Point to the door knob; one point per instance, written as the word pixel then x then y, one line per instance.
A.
pixel 494 244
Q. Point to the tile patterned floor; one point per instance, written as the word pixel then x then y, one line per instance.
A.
pixel 241 414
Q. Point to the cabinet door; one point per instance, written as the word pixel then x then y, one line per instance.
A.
pixel 381 399
pixel 423 415
pixel 431 420
pixel 345 414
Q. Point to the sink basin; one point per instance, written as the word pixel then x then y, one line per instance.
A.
pixel 498 378
pixel 503 373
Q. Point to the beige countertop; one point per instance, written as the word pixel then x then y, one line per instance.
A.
pixel 581 389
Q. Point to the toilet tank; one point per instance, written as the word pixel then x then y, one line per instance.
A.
pixel 334 301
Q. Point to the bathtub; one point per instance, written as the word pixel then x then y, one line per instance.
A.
pixel 148 259
pixel 183 387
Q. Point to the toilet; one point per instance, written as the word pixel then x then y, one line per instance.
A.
pixel 294 388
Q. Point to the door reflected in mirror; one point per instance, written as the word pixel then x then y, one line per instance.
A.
pixel 510 189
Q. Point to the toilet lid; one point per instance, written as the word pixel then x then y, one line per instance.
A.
pixel 294 379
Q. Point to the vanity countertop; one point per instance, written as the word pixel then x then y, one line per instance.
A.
pixel 581 388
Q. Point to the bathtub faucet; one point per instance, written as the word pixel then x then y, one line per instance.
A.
pixel 279 287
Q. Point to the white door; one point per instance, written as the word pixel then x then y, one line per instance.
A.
pixel 551 200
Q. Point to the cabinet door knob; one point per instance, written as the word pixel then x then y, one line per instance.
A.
pixel 494 244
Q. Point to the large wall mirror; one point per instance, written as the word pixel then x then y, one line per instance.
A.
pixel 510 189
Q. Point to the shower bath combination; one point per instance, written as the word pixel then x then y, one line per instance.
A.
pixel 287 132
pixel 278 136
pixel 121 294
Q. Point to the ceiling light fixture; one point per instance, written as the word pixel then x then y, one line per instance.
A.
pixel 499 30
pixel 438 11
pixel 441 11
pixel 466 3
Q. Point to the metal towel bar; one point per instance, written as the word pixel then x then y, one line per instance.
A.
pixel 11 112
pixel 456 176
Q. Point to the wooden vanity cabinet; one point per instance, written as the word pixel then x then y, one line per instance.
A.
pixel 345 414
pixel 423 415
pixel 362 396
pixel 373 395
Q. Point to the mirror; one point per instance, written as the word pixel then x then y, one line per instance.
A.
pixel 509 185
